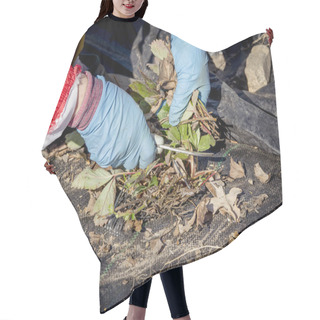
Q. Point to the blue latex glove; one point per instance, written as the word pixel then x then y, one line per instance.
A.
pixel 191 65
pixel 118 133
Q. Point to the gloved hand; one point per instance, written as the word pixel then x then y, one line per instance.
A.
pixel 118 133
pixel 191 65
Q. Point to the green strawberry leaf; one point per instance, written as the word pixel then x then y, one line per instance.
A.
pixel 205 142
pixel 91 179
pixel 104 205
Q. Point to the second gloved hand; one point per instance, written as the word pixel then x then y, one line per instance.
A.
pixel 118 133
pixel 191 65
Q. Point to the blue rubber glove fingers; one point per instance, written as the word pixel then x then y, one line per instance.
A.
pixel 116 134
pixel 135 143
pixel 142 147
pixel 148 151
pixel 205 87
pixel 191 65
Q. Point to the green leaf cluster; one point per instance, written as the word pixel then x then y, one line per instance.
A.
pixel 183 134
pixel 144 94
pixel 93 179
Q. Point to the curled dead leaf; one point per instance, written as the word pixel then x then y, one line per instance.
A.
pixel 138 225
pixel 254 203
pixel 200 215
pixel 203 215
pixel 236 169
pixel 154 67
pixel 233 236
pixel 167 74
pixel 217 176
pixel 129 224
pixel 92 201
pixel 260 174
pixel 211 188
pixel 258 200
pixel 104 249
pixel 187 191
pixel 159 49
pixel 100 220
pixel 157 245
pixel 226 203
pixel 176 231
pixel 194 97
pixel 168 158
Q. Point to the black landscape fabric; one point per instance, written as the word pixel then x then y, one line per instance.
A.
pixel 145 212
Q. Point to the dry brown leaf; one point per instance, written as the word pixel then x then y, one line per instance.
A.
pixel 227 203
pixel 254 203
pixel 185 228
pixel 257 200
pixel 202 213
pixel 156 245
pixel 167 75
pixel 194 97
pixel 233 236
pixel 217 176
pixel 236 169
pixel 129 224
pixel 199 215
pixel 232 198
pixel 92 201
pixel 188 225
pixel 100 220
pixel 104 249
pixel 211 188
pixel 176 231
pixel 160 233
pixel 168 158
pixel 159 49
pixel 260 174
pixel 138 225
pixel 148 231
pixel 187 192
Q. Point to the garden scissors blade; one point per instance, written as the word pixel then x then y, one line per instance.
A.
pixel 181 150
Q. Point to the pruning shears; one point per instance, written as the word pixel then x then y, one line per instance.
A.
pixel 181 150
pixel 159 142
